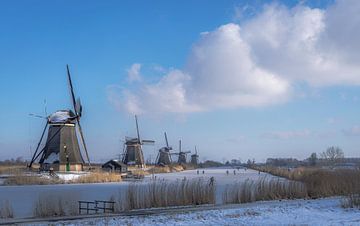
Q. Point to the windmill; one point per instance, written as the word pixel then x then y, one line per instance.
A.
pixel 182 155
pixel 61 151
pixel 164 157
pixel 133 154
pixel 195 158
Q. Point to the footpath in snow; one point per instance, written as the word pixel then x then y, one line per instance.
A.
pixel 326 211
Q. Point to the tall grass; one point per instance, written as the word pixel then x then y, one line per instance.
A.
pixel 160 193
pixel 50 205
pixel 98 177
pixel 321 182
pixel 351 201
pixel 6 210
pixel 12 169
pixel 23 179
pixel 34 179
pixel 263 189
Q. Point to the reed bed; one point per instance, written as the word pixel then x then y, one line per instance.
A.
pixel 23 179
pixel 263 189
pixel 51 205
pixel 351 201
pixel 12 169
pixel 321 182
pixel 160 193
pixel 98 177
pixel 159 169
pixel 6 210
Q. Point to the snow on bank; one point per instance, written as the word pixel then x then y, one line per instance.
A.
pixel 289 212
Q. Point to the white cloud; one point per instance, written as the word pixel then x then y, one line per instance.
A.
pixel 259 62
pixel 284 135
pixel 353 131
pixel 134 72
pixel 304 44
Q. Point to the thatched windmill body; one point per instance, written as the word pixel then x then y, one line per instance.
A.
pixel 61 151
pixel 182 155
pixel 195 157
pixel 164 157
pixel 133 153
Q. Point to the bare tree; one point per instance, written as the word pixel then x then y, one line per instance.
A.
pixel 313 159
pixel 332 154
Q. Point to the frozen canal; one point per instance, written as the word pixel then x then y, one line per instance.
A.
pixel 23 198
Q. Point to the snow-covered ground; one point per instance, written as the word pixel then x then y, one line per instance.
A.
pixel 23 198
pixel 289 212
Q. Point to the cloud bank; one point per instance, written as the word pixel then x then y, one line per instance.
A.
pixel 257 62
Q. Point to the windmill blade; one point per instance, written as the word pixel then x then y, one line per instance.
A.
pixel 78 106
pixel 166 140
pixel 37 116
pixel 179 145
pixel 137 128
pixel 186 152
pixel 71 89
pixel 195 150
pixel 37 147
pixel 45 107
pixel 83 140
pixel 148 142
pixel 157 158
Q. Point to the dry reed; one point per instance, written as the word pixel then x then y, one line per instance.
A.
pixel 6 210
pixel 23 179
pixel 50 205
pixel 351 201
pixel 98 177
pixel 321 182
pixel 263 189
pixel 160 193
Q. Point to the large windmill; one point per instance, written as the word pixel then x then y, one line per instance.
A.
pixel 182 155
pixel 195 157
pixel 133 154
pixel 61 151
pixel 164 156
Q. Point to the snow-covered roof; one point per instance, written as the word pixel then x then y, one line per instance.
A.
pixel 62 116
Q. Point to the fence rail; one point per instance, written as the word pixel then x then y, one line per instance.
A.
pixel 97 206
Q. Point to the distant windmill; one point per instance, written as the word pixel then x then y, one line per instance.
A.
pixel 62 151
pixel 164 158
pixel 182 155
pixel 133 154
pixel 195 157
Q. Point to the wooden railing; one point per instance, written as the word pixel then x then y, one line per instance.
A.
pixel 97 206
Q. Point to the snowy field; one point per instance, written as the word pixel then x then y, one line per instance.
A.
pixel 289 212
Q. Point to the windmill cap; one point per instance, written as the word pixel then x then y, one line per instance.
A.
pixel 62 116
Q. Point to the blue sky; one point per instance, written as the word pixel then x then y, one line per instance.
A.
pixel 242 79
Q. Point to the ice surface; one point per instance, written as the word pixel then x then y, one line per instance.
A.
pixel 22 198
